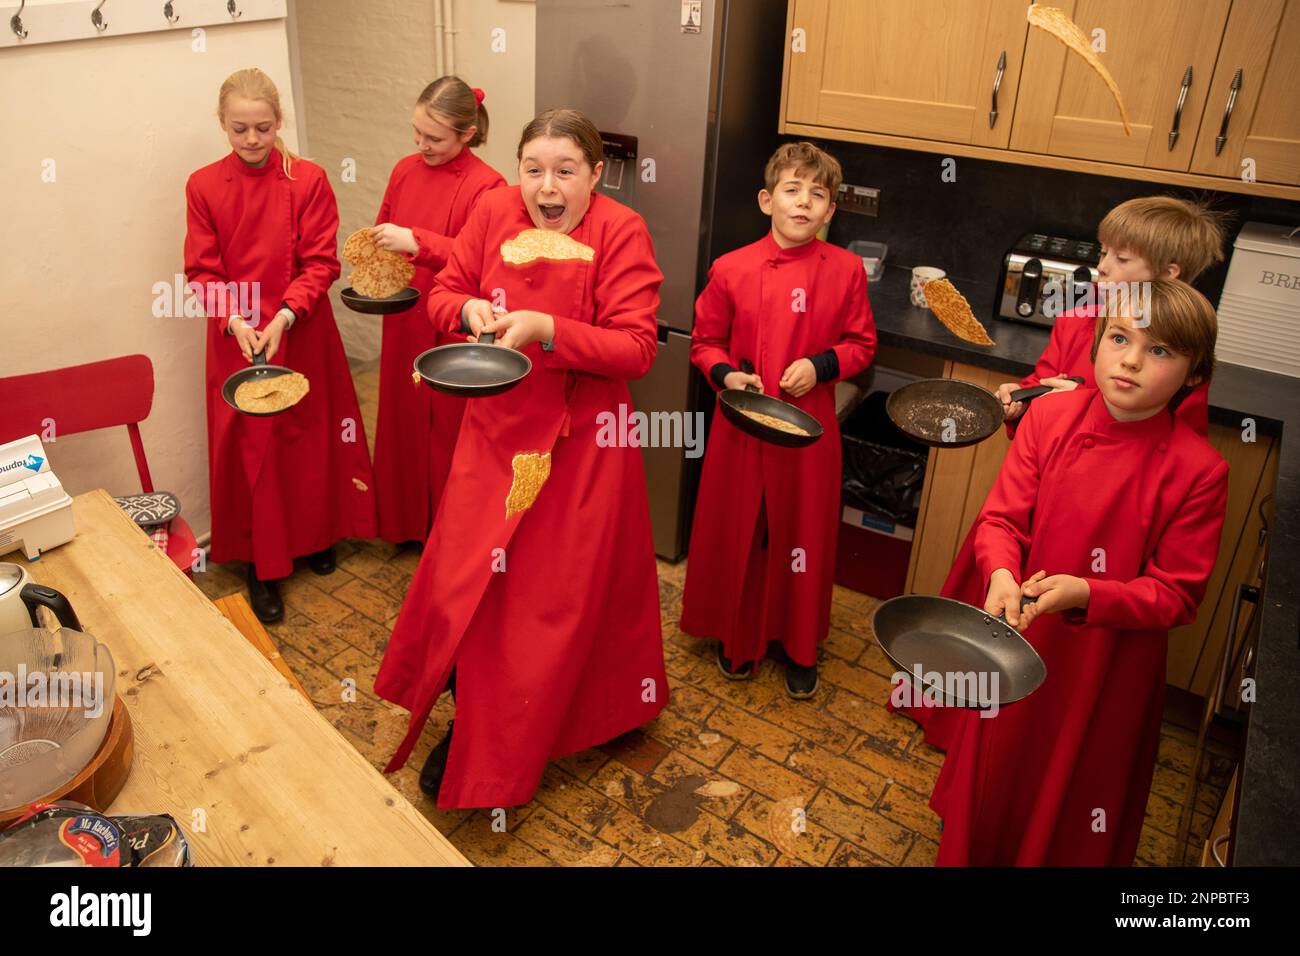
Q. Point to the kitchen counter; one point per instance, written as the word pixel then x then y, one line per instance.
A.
pixel 1270 789
pixel 223 742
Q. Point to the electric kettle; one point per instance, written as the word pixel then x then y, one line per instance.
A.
pixel 20 597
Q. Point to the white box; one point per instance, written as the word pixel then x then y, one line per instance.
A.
pixel 35 511
pixel 1259 311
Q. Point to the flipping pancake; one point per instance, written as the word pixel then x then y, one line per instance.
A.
pixel 1054 21
pixel 533 244
pixel 379 273
pixel 952 309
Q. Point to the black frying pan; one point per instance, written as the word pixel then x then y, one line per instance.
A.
pixel 394 303
pixel 736 401
pixel 943 636
pixel 259 369
pixel 920 410
pixel 472 369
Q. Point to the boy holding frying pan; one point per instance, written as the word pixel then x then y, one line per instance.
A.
pixel 762 554
pixel 1142 239
pixel 1106 514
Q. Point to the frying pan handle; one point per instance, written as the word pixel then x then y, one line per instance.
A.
pixel 1031 393
pixel 259 358
pixel 747 367
pixel 486 338
pixel 1025 601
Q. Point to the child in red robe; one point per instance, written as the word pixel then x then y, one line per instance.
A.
pixel 538 582
pixel 429 196
pixel 1141 239
pixel 762 557
pixel 261 232
pixel 1107 514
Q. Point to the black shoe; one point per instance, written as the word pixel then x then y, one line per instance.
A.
pixel 264 596
pixel 744 672
pixel 435 765
pixel 800 682
pixel 322 562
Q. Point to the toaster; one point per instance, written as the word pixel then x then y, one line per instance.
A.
pixel 1043 276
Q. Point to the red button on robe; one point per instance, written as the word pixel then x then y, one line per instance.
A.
pixel 417 427
pixel 550 615
pixel 290 484
pixel 772 306
pixel 1063 776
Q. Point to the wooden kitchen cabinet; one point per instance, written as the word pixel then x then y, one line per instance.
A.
pixel 920 77
pixel 1195 649
pixel 1066 109
pixel 957 480
pixel 1263 42
pixel 924 70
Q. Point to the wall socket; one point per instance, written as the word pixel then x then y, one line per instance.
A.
pixel 862 200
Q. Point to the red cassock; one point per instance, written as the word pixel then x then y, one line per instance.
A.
pixel 551 614
pixel 1069 353
pixel 298 482
pixel 1063 776
pixel 417 427
pixel 772 306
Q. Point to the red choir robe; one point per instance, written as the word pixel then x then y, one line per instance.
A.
pixel 772 306
pixel 549 615
pixel 417 427
pixel 1069 353
pixel 291 484
pixel 1062 777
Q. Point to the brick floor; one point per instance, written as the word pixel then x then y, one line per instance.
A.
pixel 731 773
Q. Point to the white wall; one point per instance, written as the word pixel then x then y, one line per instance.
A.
pixel 126 120
pixel 361 67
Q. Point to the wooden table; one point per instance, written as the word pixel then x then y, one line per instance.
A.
pixel 220 735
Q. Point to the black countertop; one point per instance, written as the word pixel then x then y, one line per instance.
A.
pixel 1270 777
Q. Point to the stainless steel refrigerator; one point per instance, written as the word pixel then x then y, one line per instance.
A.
pixel 687 98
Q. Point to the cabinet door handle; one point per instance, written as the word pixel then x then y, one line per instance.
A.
pixel 997 85
pixel 1178 110
pixel 1222 138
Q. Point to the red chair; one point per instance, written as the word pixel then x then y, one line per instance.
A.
pixel 85 398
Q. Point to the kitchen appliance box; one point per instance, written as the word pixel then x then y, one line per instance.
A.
pixel 1259 311
pixel 35 510
pixel 687 110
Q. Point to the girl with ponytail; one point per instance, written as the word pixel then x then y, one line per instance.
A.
pixel 429 197
pixel 260 247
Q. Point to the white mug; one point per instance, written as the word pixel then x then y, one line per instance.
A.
pixel 920 276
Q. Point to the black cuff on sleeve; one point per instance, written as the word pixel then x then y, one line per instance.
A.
pixel 827 365
pixel 720 372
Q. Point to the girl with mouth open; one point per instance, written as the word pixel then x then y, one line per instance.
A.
pixel 538 583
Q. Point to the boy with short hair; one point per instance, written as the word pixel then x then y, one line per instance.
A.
pixel 762 555
pixel 1142 239
pixel 1107 514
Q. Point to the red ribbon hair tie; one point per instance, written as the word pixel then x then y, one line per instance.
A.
pixel 478 95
